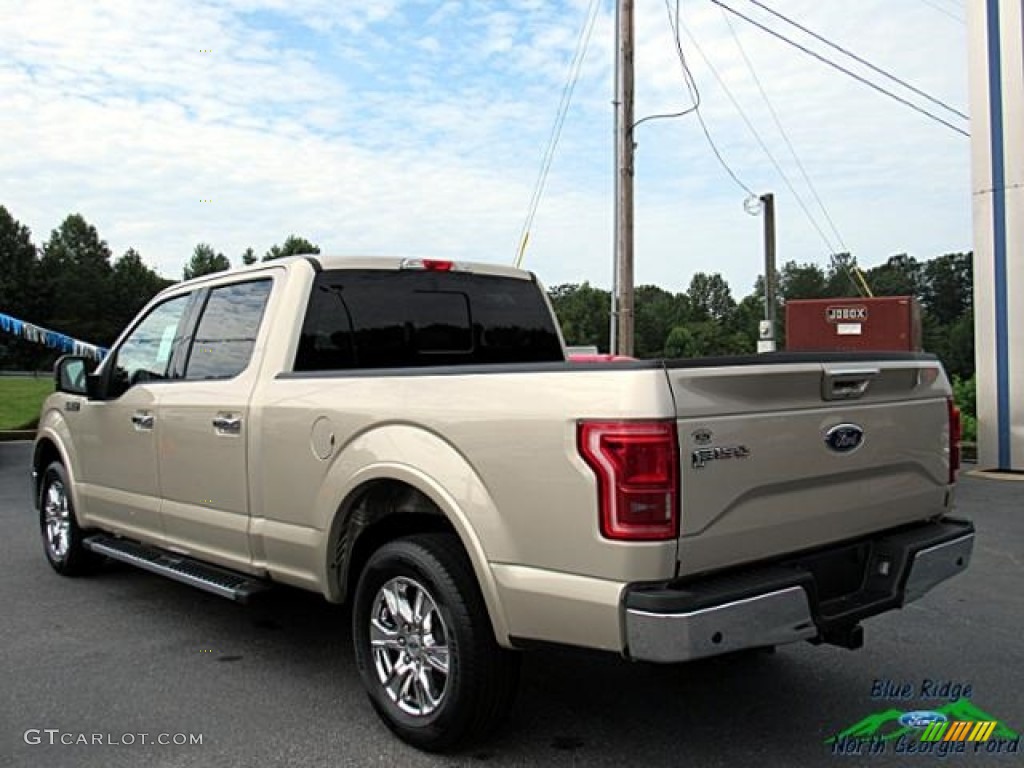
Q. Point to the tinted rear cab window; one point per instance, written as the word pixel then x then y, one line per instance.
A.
pixel 398 319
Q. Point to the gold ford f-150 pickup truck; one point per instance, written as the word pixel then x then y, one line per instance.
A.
pixel 409 435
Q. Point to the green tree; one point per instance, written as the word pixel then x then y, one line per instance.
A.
pixel 705 338
pixel 841 279
pixel 76 282
pixel 20 294
pixel 293 246
pixel 947 285
pixel 745 320
pixel 205 261
pixel 249 257
pixel 709 297
pixel 802 281
pixel 18 262
pixel 582 312
pixel 656 312
pixel 965 392
pixel 899 276
pixel 134 284
pixel 952 342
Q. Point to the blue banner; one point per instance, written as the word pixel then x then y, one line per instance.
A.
pixel 51 339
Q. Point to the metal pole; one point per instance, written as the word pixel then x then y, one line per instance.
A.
pixel 766 342
pixel 624 213
pixel 613 314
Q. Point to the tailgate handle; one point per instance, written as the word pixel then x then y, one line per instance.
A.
pixel 847 384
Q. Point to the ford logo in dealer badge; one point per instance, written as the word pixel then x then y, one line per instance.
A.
pixel 921 718
pixel 844 438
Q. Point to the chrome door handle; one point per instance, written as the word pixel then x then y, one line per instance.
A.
pixel 229 424
pixel 143 420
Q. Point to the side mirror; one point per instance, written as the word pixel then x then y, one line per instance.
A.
pixel 69 373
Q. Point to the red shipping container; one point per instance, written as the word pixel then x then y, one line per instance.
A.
pixel 881 324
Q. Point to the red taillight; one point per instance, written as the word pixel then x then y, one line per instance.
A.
pixel 637 468
pixel 955 435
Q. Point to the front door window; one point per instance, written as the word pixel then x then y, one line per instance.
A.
pixel 146 354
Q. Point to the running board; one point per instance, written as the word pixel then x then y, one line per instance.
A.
pixel 219 581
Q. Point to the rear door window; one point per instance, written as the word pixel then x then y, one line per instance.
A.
pixel 396 319
pixel 227 330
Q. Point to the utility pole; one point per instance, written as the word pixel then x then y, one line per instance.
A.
pixel 766 337
pixel 613 310
pixel 623 284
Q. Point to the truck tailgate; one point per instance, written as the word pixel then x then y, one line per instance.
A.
pixel 794 453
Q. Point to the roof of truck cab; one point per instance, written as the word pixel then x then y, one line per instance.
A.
pixel 321 262
pixel 396 262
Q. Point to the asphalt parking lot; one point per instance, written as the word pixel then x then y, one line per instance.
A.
pixel 127 653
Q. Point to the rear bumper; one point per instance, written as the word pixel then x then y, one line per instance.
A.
pixel 818 596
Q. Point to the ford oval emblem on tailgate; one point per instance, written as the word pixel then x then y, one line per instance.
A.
pixel 844 438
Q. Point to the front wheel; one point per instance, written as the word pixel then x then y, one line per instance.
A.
pixel 424 645
pixel 62 538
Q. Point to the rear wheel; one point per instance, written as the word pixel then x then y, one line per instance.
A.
pixel 62 538
pixel 424 645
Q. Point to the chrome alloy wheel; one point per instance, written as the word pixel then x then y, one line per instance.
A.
pixel 409 641
pixel 58 520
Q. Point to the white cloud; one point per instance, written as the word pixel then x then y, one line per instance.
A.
pixel 415 127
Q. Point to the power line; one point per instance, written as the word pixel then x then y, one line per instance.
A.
pixel 572 77
pixel 785 135
pixel 944 12
pixel 718 154
pixel 691 82
pixel 761 142
pixel 842 69
pixel 861 60
pixel 792 151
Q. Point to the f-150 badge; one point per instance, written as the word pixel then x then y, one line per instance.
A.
pixel 702 456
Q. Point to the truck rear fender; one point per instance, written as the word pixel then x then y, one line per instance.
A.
pixel 422 460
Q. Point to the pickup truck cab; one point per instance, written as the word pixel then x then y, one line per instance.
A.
pixel 409 435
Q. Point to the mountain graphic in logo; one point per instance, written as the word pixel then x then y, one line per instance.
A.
pixel 887 726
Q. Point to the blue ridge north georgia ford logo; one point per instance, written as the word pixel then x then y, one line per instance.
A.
pixel 844 438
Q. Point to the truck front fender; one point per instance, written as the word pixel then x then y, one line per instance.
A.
pixel 53 431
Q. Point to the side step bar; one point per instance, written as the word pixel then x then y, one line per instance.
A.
pixel 219 581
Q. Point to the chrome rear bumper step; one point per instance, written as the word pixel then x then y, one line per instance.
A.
pixel 219 581
pixel 820 596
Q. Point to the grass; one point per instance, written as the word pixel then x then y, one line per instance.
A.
pixel 20 400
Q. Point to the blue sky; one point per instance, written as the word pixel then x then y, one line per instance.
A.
pixel 411 127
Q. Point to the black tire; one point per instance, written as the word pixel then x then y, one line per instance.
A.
pixel 62 538
pixel 481 680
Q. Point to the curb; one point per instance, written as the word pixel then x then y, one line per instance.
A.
pixel 11 435
pixel 995 474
